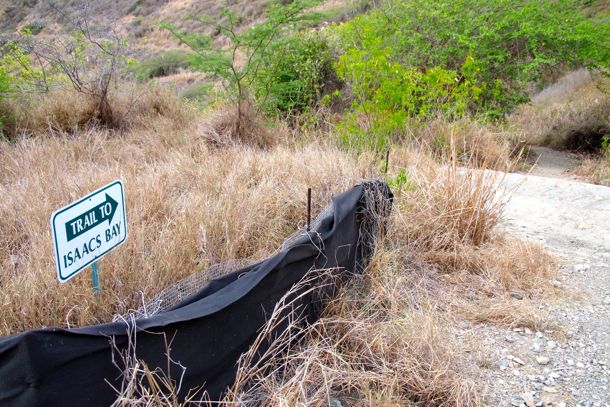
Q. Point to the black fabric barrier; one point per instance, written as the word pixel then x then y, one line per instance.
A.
pixel 208 331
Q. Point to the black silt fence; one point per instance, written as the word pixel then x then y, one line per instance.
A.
pixel 208 331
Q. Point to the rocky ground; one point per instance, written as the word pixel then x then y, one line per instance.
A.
pixel 567 362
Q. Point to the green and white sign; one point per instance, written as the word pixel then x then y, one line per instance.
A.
pixel 87 229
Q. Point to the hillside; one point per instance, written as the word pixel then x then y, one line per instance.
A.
pixel 486 284
pixel 137 20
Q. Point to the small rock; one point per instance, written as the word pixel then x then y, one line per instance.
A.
pixel 547 400
pixel 503 363
pixel 580 365
pixel 543 360
pixel 579 268
pixel 519 361
pixel 551 344
pixel 537 345
pixel 516 295
pixel 528 397
pixel 549 389
pixel 335 403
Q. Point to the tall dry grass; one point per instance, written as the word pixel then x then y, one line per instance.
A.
pixel 388 339
pixel 188 205
pixel 471 143
pixel 64 109
pixel 447 223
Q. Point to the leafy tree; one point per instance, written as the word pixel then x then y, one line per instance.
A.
pixel 238 63
pixel 294 73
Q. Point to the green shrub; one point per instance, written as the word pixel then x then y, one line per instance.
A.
pixel 386 94
pixel 293 73
pixel 34 27
pixel 5 87
pixel 415 59
pixel 163 64
pixel 17 76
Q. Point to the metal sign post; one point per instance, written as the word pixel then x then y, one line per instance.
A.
pixel 95 279
pixel 387 161
pixel 308 209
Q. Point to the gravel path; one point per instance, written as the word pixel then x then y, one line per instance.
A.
pixel 569 364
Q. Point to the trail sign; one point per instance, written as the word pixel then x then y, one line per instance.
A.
pixel 87 229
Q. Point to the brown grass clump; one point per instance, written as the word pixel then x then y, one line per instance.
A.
pixel 450 206
pixel 380 343
pixel 446 222
pixel 474 145
pixel 501 282
pixel 225 127
pixel 579 103
pixel 66 110
pixel 596 170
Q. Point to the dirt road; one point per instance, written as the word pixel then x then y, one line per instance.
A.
pixel 568 365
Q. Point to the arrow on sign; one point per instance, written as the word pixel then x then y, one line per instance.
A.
pixel 91 218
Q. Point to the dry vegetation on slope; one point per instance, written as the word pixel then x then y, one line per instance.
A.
pixel 188 205
pixel 199 193
pixel 193 202
pixel 136 19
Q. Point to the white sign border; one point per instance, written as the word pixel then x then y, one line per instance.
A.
pixel 59 211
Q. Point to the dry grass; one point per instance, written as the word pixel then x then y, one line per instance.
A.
pixel 595 169
pixel 387 340
pixel 380 343
pixel 225 127
pixel 187 206
pixel 447 224
pixel 474 144
pixel 65 110
pixel 579 103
